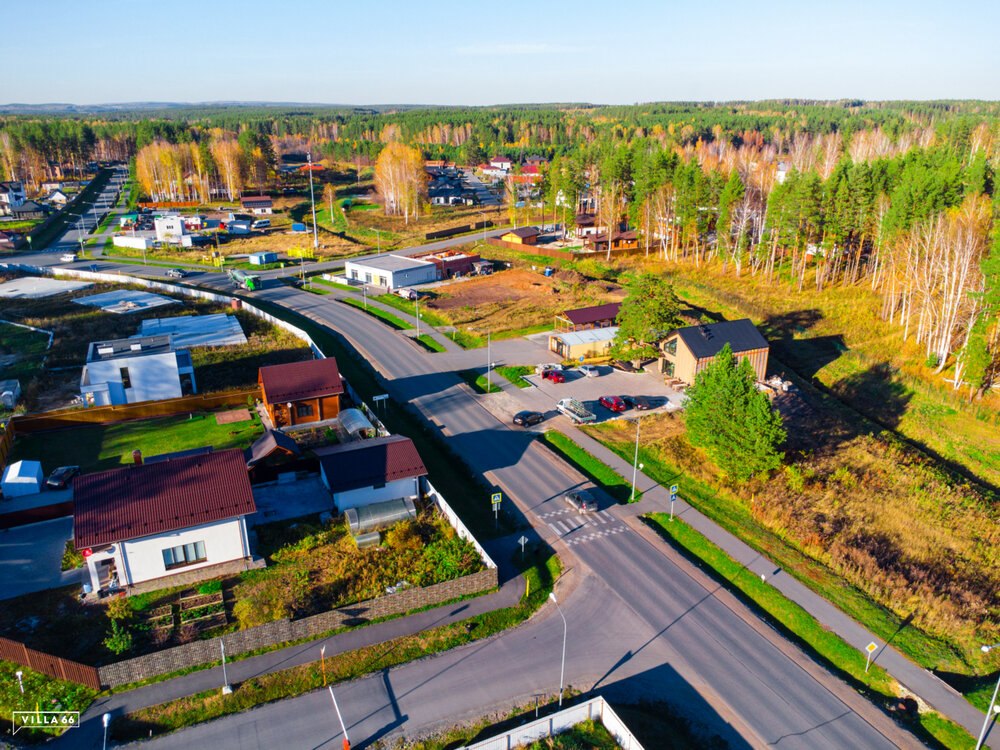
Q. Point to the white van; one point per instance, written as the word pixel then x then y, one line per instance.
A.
pixel 262 224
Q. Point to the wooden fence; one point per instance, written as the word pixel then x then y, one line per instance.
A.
pixel 170 204
pixel 47 664
pixel 531 249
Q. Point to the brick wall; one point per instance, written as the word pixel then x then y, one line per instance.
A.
pixel 281 631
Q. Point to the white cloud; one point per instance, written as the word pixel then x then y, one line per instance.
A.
pixel 516 48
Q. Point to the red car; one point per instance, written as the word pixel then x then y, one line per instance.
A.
pixel 556 376
pixel 614 403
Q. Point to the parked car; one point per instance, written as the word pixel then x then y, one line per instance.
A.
pixel 640 403
pixel 528 418
pixel 67 258
pixel 177 273
pixel 589 371
pixel 614 403
pixel 409 294
pixel 581 500
pixel 61 477
pixel 540 369
pixel 556 376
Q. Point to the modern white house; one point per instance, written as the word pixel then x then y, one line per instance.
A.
pixel 57 198
pixel 11 195
pixel 171 229
pixel 371 471
pixel 390 271
pixel 153 520
pixel 127 371
pixel 21 478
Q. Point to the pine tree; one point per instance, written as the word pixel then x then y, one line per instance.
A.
pixel 733 421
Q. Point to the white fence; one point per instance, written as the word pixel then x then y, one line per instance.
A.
pixel 137 243
pixel 596 709
pixel 456 522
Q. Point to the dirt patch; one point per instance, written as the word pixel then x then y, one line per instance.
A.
pixel 235 415
pixel 506 285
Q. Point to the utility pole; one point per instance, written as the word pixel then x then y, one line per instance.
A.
pixel 312 200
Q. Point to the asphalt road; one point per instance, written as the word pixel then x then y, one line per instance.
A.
pixel 642 622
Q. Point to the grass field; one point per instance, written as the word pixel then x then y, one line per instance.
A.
pixel 410 308
pixel 598 472
pixel 99 447
pixel 27 347
pixel 385 317
pixel 515 374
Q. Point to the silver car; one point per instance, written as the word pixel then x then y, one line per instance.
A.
pixel 581 501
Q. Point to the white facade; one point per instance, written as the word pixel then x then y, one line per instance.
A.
pixel 11 195
pixel 138 560
pixel 130 379
pixel 169 228
pixel 408 487
pixel 391 272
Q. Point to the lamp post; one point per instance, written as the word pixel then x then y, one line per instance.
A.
pixel 322 659
pixel 483 214
pixel 635 459
pixel 19 674
pixel 417 303
pixel 993 706
pixel 107 720
pixel 312 199
pixel 347 741
pixel 378 239
pixel 226 687
pixel 562 669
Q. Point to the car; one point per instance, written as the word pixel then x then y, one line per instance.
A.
pixel 528 418
pixel 556 376
pixel 589 371
pixel 177 273
pixel 67 258
pixel 581 500
pixel 614 403
pixel 61 477
pixel 640 403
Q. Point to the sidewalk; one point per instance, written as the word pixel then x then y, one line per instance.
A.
pixel 90 732
pixel 656 499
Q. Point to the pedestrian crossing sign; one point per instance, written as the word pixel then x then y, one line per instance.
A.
pixel 496 498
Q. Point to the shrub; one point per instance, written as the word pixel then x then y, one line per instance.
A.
pixel 119 640
pixel 71 559
pixel 210 587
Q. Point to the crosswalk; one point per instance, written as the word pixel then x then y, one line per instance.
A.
pixel 578 528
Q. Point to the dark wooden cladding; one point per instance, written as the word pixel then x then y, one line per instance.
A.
pixel 47 664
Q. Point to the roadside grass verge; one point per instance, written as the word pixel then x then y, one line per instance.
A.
pixel 540 573
pixel 410 308
pixel 476 382
pixel 515 374
pixel 428 343
pixel 40 693
pixel 385 317
pixel 333 284
pixel 316 290
pixel 793 621
pixel 467 339
pixel 596 471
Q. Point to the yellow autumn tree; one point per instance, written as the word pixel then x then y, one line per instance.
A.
pixel 400 179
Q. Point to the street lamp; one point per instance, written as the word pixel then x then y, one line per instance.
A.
pixel 226 687
pixel 994 708
pixel 483 214
pixel 20 684
pixel 378 239
pixel 312 199
pixel 107 720
pixel 562 669
pixel 347 741
pixel 635 460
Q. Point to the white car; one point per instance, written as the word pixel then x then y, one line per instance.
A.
pixel 67 258
pixel 539 369
pixel 589 371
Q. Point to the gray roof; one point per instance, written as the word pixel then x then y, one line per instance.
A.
pixel 390 262
pixel 267 444
pixel 707 340
pixel 140 347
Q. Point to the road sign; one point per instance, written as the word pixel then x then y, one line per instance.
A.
pixel 383 397
pixel 522 541
pixel 496 498
pixel 581 359
pixel 871 647
pixel 673 498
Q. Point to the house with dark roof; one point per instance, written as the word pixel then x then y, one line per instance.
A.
pixel 29 210
pixel 151 521
pixel 256 204
pixel 301 392
pixel 522 236
pixel 11 195
pixel 586 318
pixel 598 242
pixel 689 350
pixel 371 471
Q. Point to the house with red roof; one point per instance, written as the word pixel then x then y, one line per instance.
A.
pixel 168 515
pixel 588 318
pixel 371 471
pixel 301 392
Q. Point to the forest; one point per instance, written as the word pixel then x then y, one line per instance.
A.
pixel 895 196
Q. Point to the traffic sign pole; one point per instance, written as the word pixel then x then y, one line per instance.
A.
pixel 495 498
pixel 673 499
pixel 870 648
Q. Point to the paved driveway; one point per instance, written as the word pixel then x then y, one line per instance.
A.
pixel 610 382
pixel 30 557
pixel 303 497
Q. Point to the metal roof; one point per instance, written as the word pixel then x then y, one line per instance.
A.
pixel 218 329
pixel 152 498
pixel 584 315
pixel 707 340
pixel 389 263
pixel 267 444
pixel 137 347
pixel 524 232
pixel 353 420
pixel 296 381
pixel 593 336
pixel 365 463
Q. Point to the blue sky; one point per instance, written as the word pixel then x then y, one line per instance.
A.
pixel 492 53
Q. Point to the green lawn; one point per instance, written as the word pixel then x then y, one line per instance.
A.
pixel 29 348
pixel 40 693
pixel 316 290
pixel 99 447
pixel 429 343
pixel 515 374
pixel 473 340
pixel 334 284
pixel 410 308
pixel 382 315
pixel 829 648
pixel 477 382
pixel 598 472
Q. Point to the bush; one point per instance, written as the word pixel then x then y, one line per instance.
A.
pixel 210 587
pixel 119 640
pixel 71 559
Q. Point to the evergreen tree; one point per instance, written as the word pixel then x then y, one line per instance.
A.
pixel 732 421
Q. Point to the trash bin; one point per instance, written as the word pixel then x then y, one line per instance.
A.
pixel 549 270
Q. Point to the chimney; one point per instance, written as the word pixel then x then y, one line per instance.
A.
pixel 137 457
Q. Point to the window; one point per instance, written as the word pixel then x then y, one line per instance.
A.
pixel 668 368
pixel 368 278
pixel 671 347
pixel 303 410
pixel 126 378
pixel 186 554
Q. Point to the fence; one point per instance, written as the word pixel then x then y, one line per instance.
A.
pixel 596 709
pixel 53 666
pixel 460 528
pixel 531 249
pixel 457 230
pixel 170 204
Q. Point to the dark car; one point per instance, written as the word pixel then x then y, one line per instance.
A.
pixel 640 403
pixel 61 477
pixel 527 418
pixel 614 403
pixel 177 273
pixel 581 500
pixel 556 376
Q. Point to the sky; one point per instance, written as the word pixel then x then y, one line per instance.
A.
pixel 473 53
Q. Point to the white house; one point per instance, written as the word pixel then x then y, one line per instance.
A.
pixel 130 370
pixel 501 162
pixel 152 520
pixel 391 271
pixel 257 204
pixel 11 195
pixel 22 478
pixel 371 471
pixel 57 198
pixel 172 229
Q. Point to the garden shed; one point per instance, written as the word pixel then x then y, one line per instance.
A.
pixel 22 478
pixel 263 258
